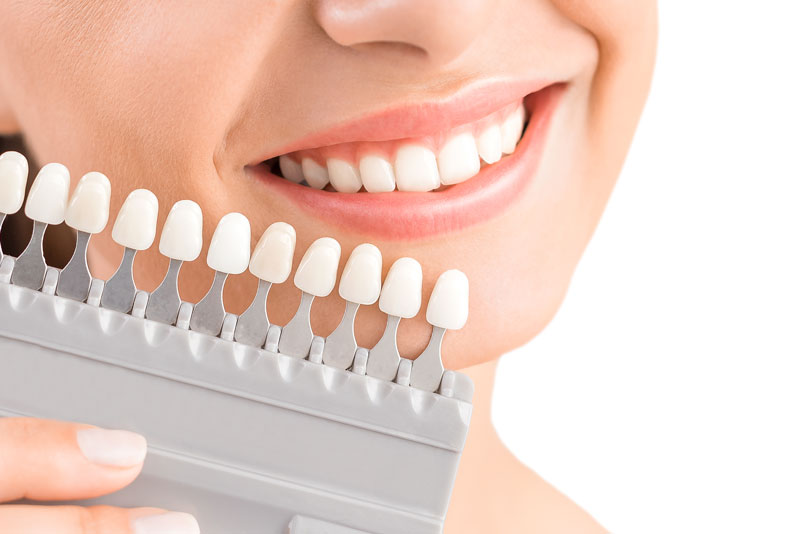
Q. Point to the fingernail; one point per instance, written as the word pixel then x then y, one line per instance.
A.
pixel 118 448
pixel 166 523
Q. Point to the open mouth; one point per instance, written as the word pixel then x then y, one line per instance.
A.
pixel 437 173
pixel 430 163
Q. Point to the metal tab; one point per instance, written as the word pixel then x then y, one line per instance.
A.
pixel 30 267
pixel 341 345
pixel 209 314
pixel 165 301
pixel 384 356
pixel 2 219
pixel 75 276
pixel 427 369
pixel 120 290
pixel 296 336
pixel 252 326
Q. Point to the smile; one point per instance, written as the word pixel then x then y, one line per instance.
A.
pixel 425 164
pixel 440 172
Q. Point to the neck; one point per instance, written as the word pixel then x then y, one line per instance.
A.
pixel 494 491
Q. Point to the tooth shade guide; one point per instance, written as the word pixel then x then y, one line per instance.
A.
pixel 13 178
pixel 315 277
pixel 88 207
pixel 203 377
pixel 360 284
pixel 228 253
pixel 120 291
pixel 448 307
pixel 46 204
pixel 47 198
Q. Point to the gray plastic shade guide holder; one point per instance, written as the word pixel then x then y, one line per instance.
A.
pixel 306 525
pixel 234 431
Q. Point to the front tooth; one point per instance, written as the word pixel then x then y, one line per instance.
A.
pixel 272 258
pixel 448 306
pixel 490 144
pixel 13 175
pixel 415 169
pixel 458 159
pixel 511 129
pixel 316 273
pixel 401 295
pixel 344 177
pixel 135 226
pixel 377 174
pixel 361 278
pixel 88 208
pixel 229 251
pixel 290 169
pixel 47 200
pixel 315 174
pixel 182 235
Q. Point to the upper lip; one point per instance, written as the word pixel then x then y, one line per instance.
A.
pixel 418 118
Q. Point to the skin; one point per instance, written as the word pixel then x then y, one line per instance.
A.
pixel 179 98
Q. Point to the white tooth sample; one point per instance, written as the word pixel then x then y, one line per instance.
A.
pixel 272 258
pixel 448 306
pixel 47 199
pixel 361 278
pixel 315 174
pixel 87 210
pixel 182 235
pixel 13 176
pixel 290 169
pixel 344 177
pixel 458 159
pixel 511 129
pixel 135 226
pixel 377 174
pixel 490 144
pixel 229 251
pixel 402 290
pixel 316 273
pixel 415 169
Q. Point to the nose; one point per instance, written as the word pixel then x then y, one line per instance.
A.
pixel 441 29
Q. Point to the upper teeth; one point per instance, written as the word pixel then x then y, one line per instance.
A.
pixel 414 166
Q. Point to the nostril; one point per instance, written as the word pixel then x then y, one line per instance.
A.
pixel 440 31
pixel 391 47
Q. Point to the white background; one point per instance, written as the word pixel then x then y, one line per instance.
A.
pixel 665 396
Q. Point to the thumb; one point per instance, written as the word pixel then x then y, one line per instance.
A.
pixel 54 460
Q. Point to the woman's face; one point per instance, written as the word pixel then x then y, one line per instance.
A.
pixel 197 100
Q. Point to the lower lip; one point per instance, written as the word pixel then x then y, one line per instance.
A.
pixel 402 215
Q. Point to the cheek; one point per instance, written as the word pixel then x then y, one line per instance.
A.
pixel 130 87
pixel 523 263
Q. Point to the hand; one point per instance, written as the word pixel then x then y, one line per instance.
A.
pixel 52 460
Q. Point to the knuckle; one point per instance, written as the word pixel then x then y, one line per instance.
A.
pixel 91 519
pixel 100 519
pixel 82 518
